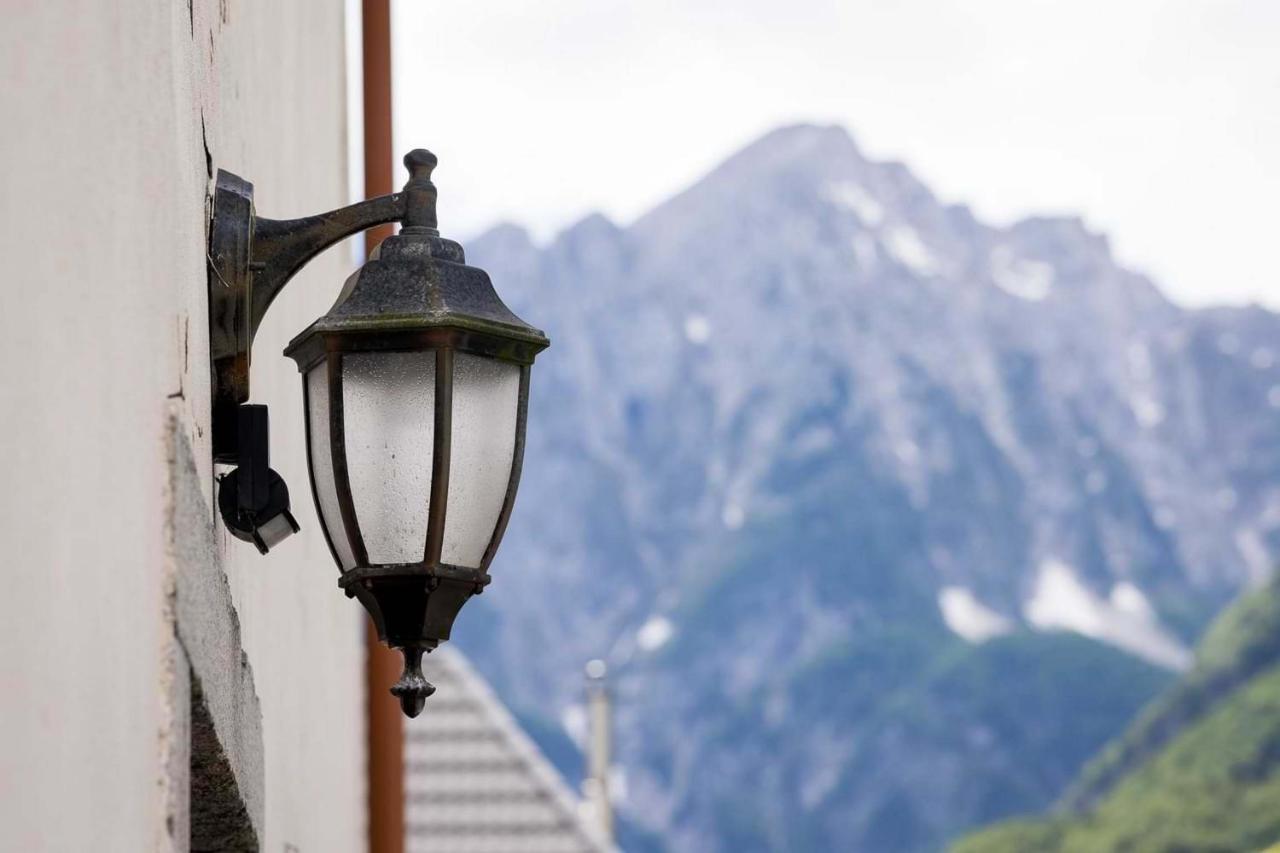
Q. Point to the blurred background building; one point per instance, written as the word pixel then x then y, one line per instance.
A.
pixel 477 784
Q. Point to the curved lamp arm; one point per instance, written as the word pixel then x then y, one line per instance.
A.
pixel 282 247
pixel 251 259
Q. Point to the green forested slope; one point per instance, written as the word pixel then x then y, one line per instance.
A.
pixel 1198 771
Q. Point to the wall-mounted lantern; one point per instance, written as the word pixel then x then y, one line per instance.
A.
pixel 416 387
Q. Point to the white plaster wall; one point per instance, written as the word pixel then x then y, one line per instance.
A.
pixel 105 109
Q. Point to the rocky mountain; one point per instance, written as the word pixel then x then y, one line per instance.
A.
pixel 1198 770
pixel 885 518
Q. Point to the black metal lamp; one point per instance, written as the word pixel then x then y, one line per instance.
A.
pixel 416 385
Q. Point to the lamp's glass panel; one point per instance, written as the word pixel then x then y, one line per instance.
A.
pixel 486 395
pixel 389 409
pixel 322 462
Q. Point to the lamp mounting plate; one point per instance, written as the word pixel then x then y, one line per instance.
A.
pixel 250 261
pixel 230 239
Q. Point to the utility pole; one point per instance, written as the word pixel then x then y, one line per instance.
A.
pixel 595 787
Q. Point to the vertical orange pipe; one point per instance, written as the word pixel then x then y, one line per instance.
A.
pixel 382 667
pixel 378 159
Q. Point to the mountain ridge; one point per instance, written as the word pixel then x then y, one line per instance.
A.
pixel 804 411
pixel 1198 769
pixel 1240 645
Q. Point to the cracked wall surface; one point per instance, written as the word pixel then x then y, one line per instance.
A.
pixel 120 577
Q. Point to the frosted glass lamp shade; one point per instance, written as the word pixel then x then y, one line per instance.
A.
pixel 486 402
pixel 414 456
pixel 389 407
pixel 416 388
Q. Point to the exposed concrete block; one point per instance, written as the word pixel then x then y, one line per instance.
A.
pixel 176 747
pixel 209 631
pixel 219 821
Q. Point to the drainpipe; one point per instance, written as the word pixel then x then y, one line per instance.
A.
pixel 600 748
pixel 382 665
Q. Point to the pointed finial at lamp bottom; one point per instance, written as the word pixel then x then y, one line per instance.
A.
pixel 412 689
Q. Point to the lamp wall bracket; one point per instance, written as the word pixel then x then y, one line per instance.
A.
pixel 252 258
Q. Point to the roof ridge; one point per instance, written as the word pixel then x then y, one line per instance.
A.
pixel 525 758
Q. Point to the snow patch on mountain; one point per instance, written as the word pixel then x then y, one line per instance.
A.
pixel 1127 598
pixel 697 329
pixel 1020 277
pixel 655 633
pixel 904 244
pixel 732 516
pixel 573 719
pixel 1258 557
pixel 1146 411
pixel 970 618
pixel 1061 601
pixel 852 197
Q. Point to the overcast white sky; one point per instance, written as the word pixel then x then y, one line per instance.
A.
pixel 1157 120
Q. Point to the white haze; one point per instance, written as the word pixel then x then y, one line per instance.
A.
pixel 1158 120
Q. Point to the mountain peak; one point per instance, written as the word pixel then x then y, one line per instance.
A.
pixel 509 235
pixel 593 225
pixel 800 142
pixel 798 150
pixel 789 159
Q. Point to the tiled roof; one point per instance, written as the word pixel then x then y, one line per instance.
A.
pixel 475 783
